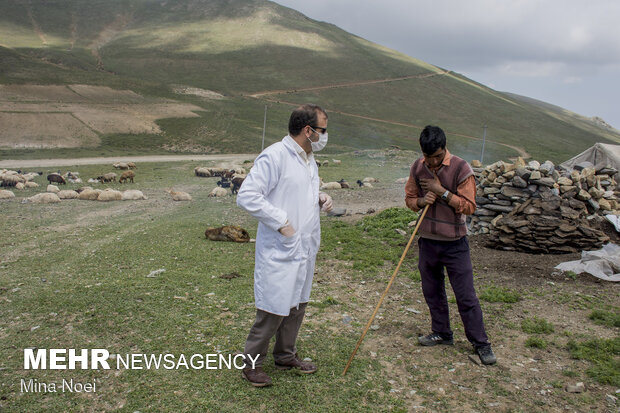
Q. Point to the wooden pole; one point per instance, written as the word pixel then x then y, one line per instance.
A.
pixel 402 258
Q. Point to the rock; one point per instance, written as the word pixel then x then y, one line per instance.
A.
pixel 520 162
pixel 548 182
pixel 567 188
pixel 534 165
pixel 605 204
pixel 484 212
pixel 522 173
pixel 519 182
pixel 374 327
pixel 596 193
pixel 401 180
pixel 532 211
pixel 593 204
pixel 547 168
pixel 565 181
pixel 569 213
pixel 400 231
pixel 607 170
pixel 535 175
pixel 482 200
pixel 496 219
pixel 476 163
pixel 491 190
pixel 498 208
pixel 507 167
pixel 576 388
pixel 492 176
pixel 512 192
pixel 588 172
pixel 509 175
pixel 583 195
pixel 337 212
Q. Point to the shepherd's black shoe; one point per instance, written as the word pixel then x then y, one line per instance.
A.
pixel 486 355
pixel 434 339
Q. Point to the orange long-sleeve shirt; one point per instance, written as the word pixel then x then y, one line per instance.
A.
pixel 463 201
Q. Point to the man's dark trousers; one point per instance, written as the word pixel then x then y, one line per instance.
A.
pixel 455 258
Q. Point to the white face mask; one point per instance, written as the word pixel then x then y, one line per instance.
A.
pixel 320 144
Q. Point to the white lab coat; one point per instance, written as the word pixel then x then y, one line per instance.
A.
pixel 281 187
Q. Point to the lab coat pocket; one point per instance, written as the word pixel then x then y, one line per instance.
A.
pixel 287 248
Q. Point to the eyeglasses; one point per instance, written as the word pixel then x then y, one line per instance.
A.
pixel 314 128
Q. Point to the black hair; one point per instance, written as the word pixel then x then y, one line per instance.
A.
pixel 302 116
pixel 432 139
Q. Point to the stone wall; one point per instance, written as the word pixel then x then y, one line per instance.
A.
pixel 537 208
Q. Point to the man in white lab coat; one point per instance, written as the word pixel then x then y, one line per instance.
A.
pixel 282 192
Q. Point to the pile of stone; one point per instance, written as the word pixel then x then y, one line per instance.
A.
pixel 535 207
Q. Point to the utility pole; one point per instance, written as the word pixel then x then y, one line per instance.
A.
pixel 264 126
pixel 484 137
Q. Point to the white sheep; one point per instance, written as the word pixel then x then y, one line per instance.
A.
pixel 336 161
pixel 4 194
pixel 370 179
pixel 331 185
pixel 179 195
pixel 43 198
pixel 67 194
pixel 90 194
pixel 53 189
pixel 110 195
pixel 364 184
pixel 218 192
pixel 133 195
pixel 31 184
pixel 20 185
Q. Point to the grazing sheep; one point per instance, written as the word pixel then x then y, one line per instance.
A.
pixel 218 192
pixel 325 163
pixel 90 194
pixel 336 161
pixel 237 180
pixel 30 176
pixel 57 178
pixel 109 177
pixel 9 180
pixel 67 194
pixel 110 195
pixel 53 189
pixel 43 198
pixel 318 163
pixel 133 195
pixel 331 185
pixel 20 185
pixel 120 165
pixel 127 175
pixel 364 184
pixel 5 194
pixel 217 171
pixel 92 180
pixel 131 165
pixel 179 195
pixel 84 188
pixel 344 184
pixel 223 183
pixel 228 233
pixel 370 180
pixel 202 172
pixel 239 170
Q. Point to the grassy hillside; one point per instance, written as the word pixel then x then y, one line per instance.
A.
pixel 241 47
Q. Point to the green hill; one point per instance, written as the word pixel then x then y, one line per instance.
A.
pixel 239 48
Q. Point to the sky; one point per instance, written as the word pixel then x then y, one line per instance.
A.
pixel 564 52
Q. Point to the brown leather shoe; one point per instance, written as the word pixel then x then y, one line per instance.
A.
pixel 304 366
pixel 257 377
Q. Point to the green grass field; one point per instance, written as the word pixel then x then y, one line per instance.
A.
pixel 75 275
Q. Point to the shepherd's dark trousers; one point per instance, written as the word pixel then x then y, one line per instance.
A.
pixel 455 258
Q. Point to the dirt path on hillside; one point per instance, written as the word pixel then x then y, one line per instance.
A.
pixel 36 163
pixel 352 84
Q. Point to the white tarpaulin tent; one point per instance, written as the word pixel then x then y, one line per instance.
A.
pixel 599 155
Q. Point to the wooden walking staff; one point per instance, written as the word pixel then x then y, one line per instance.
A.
pixel 359 342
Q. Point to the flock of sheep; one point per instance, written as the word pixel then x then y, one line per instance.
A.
pixel 230 177
pixel 53 194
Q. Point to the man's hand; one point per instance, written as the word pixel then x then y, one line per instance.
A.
pixel 325 202
pixel 429 199
pixel 287 230
pixel 432 185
